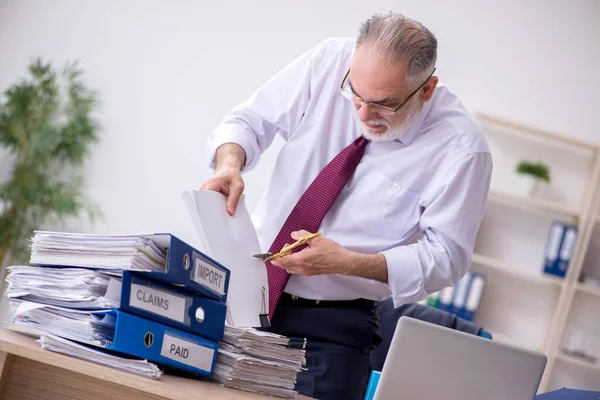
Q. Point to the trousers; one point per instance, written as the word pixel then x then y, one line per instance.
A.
pixel 340 336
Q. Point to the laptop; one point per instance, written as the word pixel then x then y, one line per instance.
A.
pixel 428 361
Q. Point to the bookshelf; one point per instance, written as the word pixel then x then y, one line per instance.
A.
pixel 521 305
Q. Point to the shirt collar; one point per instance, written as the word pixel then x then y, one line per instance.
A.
pixel 415 127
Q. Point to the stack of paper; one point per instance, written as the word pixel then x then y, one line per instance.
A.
pixel 67 287
pixel 259 362
pixel 95 328
pixel 96 251
pixel 134 366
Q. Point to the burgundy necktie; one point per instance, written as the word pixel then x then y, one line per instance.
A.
pixel 311 209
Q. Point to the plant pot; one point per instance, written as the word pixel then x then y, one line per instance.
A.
pixel 527 185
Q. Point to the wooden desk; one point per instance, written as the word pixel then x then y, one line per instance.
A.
pixel 27 372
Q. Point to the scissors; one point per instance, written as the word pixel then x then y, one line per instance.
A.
pixel 286 250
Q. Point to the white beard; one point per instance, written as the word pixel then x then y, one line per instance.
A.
pixel 392 132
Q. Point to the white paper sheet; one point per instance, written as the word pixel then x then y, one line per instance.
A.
pixel 232 240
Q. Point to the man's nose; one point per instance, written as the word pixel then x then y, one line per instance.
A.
pixel 366 113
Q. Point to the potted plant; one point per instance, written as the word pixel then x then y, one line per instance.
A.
pixel 46 126
pixel 530 175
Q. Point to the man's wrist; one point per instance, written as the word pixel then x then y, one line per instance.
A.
pixel 370 266
pixel 230 156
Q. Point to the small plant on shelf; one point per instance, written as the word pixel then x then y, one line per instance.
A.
pixel 531 174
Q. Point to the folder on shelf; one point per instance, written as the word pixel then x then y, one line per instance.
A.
pixel 160 256
pixel 433 300
pixel 84 289
pixel 123 333
pixel 473 297
pixel 567 249
pixel 460 294
pixel 446 296
pixel 553 247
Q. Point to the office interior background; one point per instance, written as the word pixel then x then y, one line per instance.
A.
pixel 168 71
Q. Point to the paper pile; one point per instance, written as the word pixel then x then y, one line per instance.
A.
pixel 134 366
pixel 259 362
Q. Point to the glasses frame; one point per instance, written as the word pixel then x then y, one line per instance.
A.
pixel 389 109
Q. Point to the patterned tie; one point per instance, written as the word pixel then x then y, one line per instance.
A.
pixel 311 209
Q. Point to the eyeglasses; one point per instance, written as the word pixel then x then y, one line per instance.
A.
pixel 348 93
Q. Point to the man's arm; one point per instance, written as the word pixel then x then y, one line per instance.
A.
pixel 248 130
pixel 277 107
pixel 439 259
pixel 325 256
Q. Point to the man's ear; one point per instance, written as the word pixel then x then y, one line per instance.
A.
pixel 429 88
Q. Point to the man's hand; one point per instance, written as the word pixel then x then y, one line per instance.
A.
pixel 325 256
pixel 229 160
pixel 322 256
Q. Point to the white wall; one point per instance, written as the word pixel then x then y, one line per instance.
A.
pixel 168 71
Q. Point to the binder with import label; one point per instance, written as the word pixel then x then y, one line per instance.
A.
pixel 159 256
pixel 123 333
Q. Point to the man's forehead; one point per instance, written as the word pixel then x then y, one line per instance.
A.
pixel 370 70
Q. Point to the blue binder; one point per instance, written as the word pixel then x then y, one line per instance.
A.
pixel 162 344
pixel 189 267
pixel 473 297
pixel 460 294
pixel 186 267
pixel 568 394
pixel 172 306
pixel 567 249
pixel 553 247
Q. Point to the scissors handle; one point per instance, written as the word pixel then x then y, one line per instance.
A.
pixel 286 250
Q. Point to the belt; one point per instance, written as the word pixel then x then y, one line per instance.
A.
pixel 289 300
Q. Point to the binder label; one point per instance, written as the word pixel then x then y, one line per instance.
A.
pixel 187 352
pixel 209 276
pixel 158 302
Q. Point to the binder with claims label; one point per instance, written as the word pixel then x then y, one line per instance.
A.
pixel 170 306
pixel 123 333
pixel 159 256
pixel 85 289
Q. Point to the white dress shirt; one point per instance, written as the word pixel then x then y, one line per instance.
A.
pixel 418 200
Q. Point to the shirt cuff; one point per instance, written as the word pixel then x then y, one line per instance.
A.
pixel 233 133
pixel 405 276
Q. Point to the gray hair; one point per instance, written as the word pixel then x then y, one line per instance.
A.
pixel 393 37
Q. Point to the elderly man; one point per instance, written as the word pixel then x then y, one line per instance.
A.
pixel 380 158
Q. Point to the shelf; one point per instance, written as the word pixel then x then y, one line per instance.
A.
pixel 505 339
pixel 532 203
pixel 577 361
pixel 505 269
pixel 491 124
pixel 589 289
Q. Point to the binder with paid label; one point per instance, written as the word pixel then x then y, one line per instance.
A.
pixel 123 333
pixel 159 256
